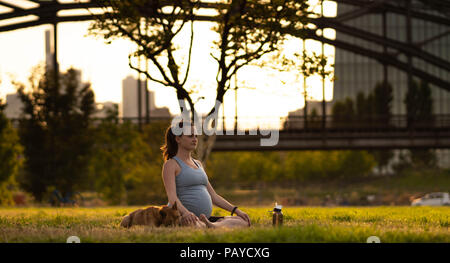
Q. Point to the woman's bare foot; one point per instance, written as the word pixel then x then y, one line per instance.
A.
pixel 205 220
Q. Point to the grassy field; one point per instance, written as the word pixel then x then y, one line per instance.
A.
pixel 302 224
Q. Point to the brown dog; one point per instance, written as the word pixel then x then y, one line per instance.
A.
pixel 153 216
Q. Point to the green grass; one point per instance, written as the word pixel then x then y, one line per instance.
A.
pixel 301 224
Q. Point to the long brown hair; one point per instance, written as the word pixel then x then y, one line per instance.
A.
pixel 170 147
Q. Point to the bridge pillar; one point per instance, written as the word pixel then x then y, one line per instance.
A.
pixel 324 106
pixel 55 54
pixel 385 66
pixel 139 96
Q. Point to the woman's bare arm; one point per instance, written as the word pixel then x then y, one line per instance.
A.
pixel 168 174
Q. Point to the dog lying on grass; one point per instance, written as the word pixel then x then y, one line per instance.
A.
pixel 153 216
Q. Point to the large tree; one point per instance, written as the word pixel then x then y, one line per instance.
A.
pixel 419 110
pixel 343 113
pixel 54 129
pixel 372 111
pixel 247 30
pixel 419 105
pixel 382 94
pixel 124 166
pixel 382 108
pixel 10 148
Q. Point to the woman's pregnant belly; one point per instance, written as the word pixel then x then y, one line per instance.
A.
pixel 196 199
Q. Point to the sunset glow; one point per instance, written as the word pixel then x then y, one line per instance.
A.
pixel 263 93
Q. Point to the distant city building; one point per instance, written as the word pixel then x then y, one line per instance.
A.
pixel 103 109
pixel 313 107
pixel 13 106
pixel 160 113
pixel 129 107
pixel 295 119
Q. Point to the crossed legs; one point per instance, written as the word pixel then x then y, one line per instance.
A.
pixel 227 222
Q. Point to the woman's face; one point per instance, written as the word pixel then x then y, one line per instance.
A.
pixel 188 140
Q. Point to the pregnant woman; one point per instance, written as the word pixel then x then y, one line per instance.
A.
pixel 187 184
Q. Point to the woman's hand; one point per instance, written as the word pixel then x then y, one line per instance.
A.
pixel 189 218
pixel 243 215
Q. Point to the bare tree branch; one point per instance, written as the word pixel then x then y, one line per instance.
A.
pixel 190 53
pixel 145 73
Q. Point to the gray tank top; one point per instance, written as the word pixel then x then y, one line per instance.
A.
pixel 192 189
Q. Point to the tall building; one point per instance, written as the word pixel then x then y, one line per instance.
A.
pixel 295 119
pixel 129 107
pixel 13 106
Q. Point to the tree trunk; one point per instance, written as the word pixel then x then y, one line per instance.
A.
pixel 205 141
pixel 204 147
